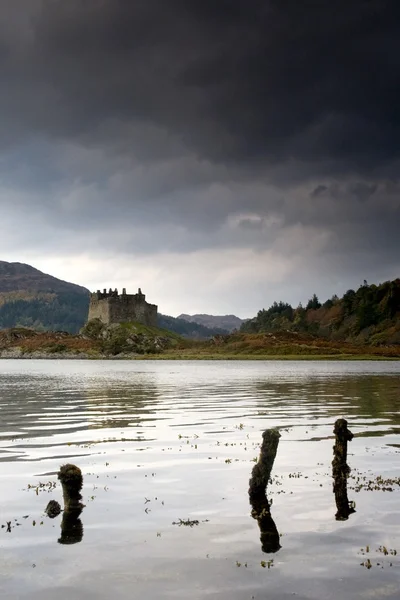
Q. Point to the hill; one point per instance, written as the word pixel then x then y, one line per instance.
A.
pixel 227 323
pixel 134 340
pixel 31 298
pixel 278 346
pixel 188 329
pixel 95 340
pixel 370 315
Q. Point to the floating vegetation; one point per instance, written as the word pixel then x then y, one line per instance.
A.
pixel 376 484
pixel 368 564
pixel 186 522
pixel 239 564
pixel 42 487
pixel 267 563
pixel 189 522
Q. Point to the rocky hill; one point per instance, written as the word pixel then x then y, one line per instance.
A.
pixel 95 340
pixel 226 323
pixel 31 298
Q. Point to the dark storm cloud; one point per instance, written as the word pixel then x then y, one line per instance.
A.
pixel 245 81
pixel 187 125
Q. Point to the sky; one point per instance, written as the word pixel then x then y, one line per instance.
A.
pixel 219 154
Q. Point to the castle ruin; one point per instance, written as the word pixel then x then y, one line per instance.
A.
pixel 111 307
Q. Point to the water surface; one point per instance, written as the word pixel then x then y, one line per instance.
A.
pixel 162 441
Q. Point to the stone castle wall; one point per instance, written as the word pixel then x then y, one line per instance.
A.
pixel 111 307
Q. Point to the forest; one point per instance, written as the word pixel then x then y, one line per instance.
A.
pixel 368 315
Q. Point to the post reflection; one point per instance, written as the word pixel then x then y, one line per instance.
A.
pixel 341 470
pixel 71 528
pixel 269 535
pixel 261 508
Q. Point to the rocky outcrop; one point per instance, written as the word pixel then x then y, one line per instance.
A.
pixel 125 338
pixel 96 340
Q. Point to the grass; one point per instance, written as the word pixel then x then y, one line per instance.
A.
pixel 151 331
pixel 237 346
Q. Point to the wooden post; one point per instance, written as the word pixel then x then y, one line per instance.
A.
pixel 341 470
pixel 261 509
pixel 262 470
pixel 71 525
pixel 71 481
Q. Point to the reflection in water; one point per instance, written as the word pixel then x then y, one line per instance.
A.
pixel 261 508
pixel 341 470
pixel 71 527
pixel 183 422
pixel 316 396
pixel 133 404
pixel 269 535
pixel 40 408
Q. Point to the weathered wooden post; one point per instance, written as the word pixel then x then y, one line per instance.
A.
pixel 261 509
pixel 71 480
pixel 341 470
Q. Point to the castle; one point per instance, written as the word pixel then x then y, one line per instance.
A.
pixel 111 307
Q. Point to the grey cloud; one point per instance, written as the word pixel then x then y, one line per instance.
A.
pixel 269 81
pixel 149 126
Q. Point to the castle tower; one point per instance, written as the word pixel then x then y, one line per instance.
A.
pixel 111 307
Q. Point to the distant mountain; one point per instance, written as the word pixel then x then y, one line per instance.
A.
pixel 187 328
pixel 31 298
pixel 227 323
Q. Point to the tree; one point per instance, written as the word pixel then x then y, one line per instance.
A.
pixel 313 303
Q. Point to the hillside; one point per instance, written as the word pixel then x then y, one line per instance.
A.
pixel 135 341
pixel 20 277
pixel 227 323
pixel 370 315
pixel 277 346
pixel 31 298
pixel 95 340
pixel 188 329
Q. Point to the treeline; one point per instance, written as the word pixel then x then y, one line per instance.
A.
pixel 64 312
pixel 370 314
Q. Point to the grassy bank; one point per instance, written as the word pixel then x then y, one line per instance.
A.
pixel 133 341
pixel 278 346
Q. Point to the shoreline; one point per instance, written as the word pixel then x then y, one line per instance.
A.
pixel 15 355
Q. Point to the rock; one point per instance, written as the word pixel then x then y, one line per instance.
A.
pixel 53 509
